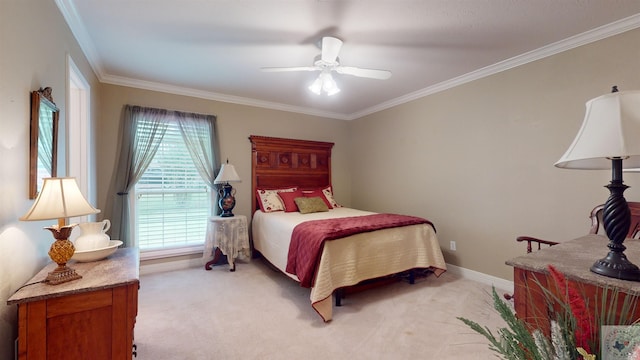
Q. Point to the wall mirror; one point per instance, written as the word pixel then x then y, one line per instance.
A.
pixel 43 157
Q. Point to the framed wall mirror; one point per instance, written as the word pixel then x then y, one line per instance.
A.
pixel 43 157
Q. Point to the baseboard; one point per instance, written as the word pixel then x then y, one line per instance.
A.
pixel 499 283
pixel 147 267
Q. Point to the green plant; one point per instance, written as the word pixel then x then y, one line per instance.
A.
pixel 571 327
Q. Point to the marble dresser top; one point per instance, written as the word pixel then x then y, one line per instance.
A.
pixel 574 259
pixel 120 268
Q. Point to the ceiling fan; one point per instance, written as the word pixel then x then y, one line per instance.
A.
pixel 327 62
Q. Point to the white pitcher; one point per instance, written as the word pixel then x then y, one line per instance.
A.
pixel 93 235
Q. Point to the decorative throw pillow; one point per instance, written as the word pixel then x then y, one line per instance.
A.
pixel 308 205
pixel 288 198
pixel 269 200
pixel 328 194
pixel 317 193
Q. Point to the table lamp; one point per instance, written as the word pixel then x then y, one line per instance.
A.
pixel 610 134
pixel 60 198
pixel 227 193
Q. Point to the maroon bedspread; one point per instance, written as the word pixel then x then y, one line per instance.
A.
pixel 308 238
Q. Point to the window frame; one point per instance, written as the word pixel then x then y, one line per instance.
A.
pixel 170 251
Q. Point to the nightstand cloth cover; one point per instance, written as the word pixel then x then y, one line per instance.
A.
pixel 230 235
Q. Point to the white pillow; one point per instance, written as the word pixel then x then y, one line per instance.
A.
pixel 329 195
pixel 269 200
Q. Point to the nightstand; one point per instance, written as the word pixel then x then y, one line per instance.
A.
pixel 226 236
pixel 88 318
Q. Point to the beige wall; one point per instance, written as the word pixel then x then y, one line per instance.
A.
pixel 235 124
pixel 478 159
pixel 34 44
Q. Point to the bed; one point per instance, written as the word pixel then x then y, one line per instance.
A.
pixel 279 165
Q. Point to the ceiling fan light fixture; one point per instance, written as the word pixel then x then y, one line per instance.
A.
pixel 316 87
pixel 329 85
pixel 326 83
pixel 333 91
pixel 327 62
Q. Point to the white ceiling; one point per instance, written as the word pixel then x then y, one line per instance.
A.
pixel 214 49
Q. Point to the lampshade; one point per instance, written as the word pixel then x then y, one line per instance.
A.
pixel 609 139
pixel 59 198
pixel 611 129
pixel 227 174
pixel 326 83
pixel 316 87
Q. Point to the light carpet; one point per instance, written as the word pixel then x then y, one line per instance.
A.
pixel 259 313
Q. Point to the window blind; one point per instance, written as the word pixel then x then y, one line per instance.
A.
pixel 172 202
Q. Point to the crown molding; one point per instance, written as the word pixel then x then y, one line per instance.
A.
pixel 78 29
pixel 208 95
pixel 585 38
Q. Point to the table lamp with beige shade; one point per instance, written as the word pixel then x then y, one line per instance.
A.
pixel 227 193
pixel 610 135
pixel 60 199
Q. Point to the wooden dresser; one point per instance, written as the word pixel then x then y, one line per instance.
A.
pixel 89 318
pixel 573 259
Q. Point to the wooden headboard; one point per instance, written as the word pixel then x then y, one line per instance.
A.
pixel 278 162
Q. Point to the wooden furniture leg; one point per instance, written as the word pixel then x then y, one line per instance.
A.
pixel 216 259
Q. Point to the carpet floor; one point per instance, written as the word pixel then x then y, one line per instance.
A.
pixel 259 313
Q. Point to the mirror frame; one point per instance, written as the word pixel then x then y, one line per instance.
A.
pixel 41 96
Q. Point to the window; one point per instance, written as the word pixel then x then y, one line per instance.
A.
pixel 159 197
pixel 171 200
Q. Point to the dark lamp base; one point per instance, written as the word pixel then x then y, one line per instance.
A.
pixel 616 265
pixel 616 220
pixel 227 200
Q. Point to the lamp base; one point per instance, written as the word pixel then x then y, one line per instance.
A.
pixel 62 274
pixel 227 200
pixel 616 265
pixel 60 252
pixel 616 219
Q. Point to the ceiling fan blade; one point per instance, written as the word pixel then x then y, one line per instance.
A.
pixel 366 73
pixel 330 49
pixel 283 69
